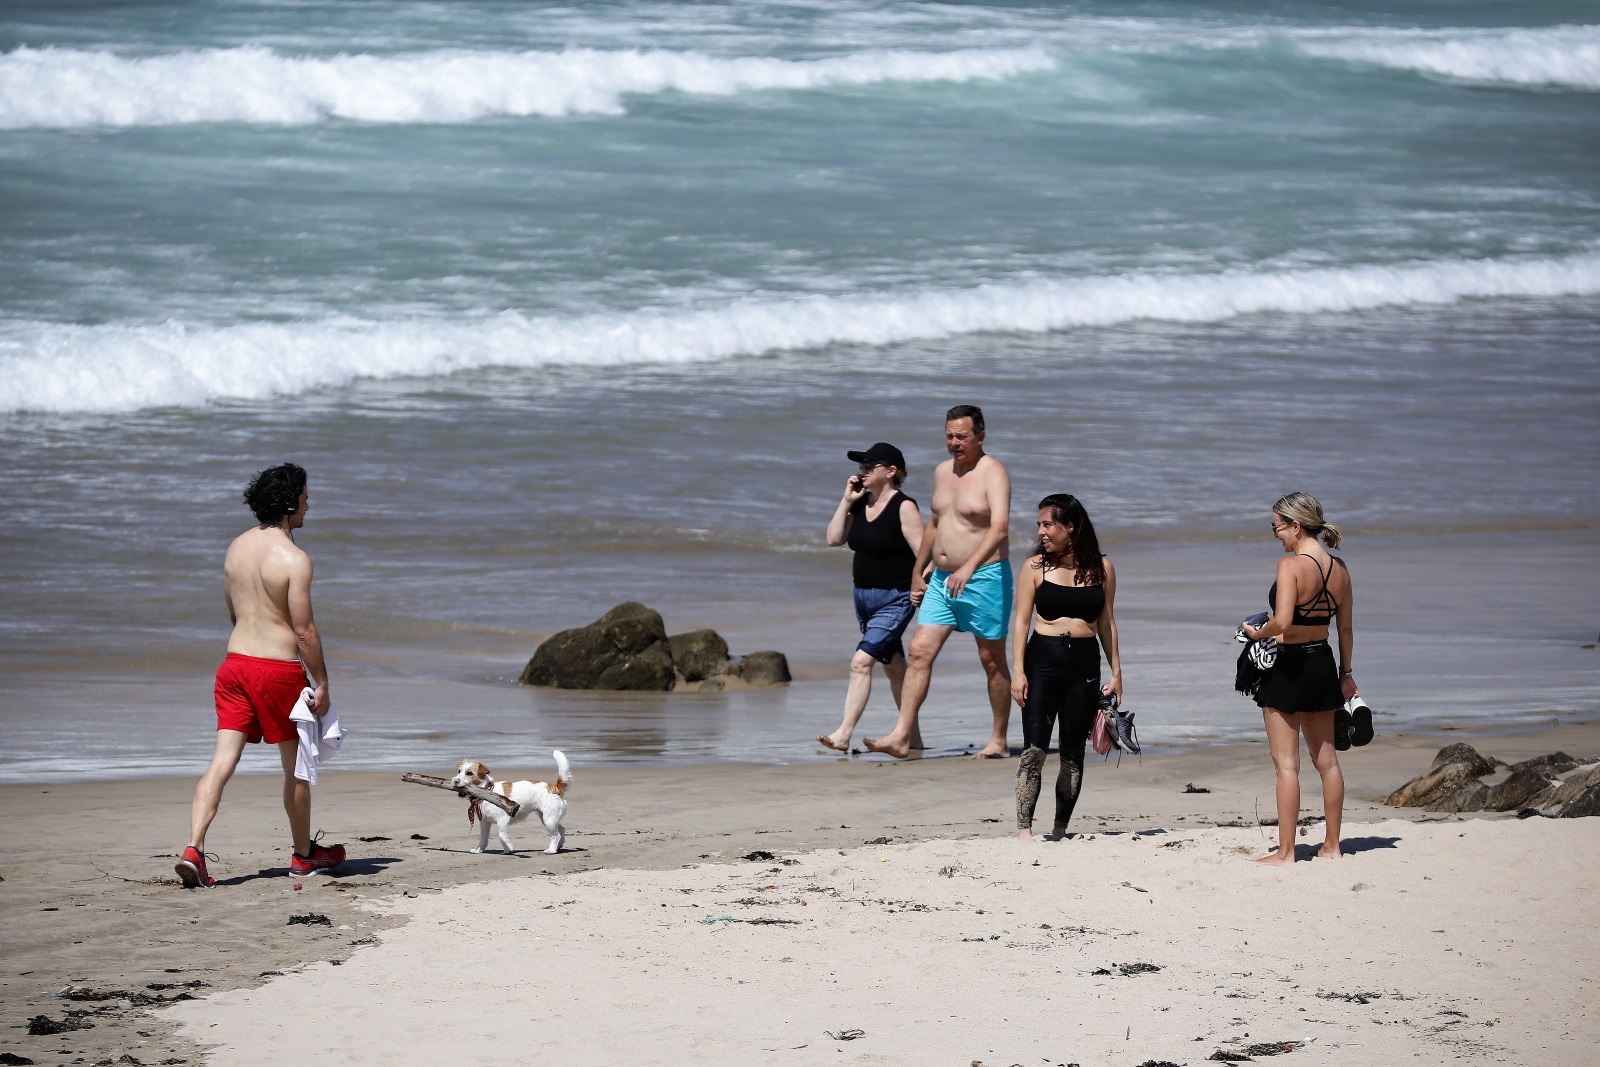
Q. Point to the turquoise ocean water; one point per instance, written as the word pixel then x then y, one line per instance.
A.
pixel 565 304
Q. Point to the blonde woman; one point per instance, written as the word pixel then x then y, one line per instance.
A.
pixel 1303 689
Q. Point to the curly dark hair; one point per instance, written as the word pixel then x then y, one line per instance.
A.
pixel 1084 551
pixel 275 492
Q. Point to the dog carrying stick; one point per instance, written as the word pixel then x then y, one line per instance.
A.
pixel 511 807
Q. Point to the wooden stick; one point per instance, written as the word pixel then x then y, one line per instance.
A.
pixel 511 806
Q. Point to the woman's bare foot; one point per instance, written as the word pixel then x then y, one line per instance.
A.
pixel 993 750
pixel 1025 834
pixel 888 746
pixel 828 741
pixel 916 742
pixel 1058 833
pixel 1277 859
pixel 1329 851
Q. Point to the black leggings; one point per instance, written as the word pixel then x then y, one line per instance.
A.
pixel 1063 681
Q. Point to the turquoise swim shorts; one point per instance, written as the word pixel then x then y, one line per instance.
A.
pixel 983 609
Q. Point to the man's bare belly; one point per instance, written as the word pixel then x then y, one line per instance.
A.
pixel 951 551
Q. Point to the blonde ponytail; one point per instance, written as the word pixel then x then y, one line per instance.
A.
pixel 1304 509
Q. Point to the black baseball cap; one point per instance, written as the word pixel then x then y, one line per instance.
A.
pixel 882 452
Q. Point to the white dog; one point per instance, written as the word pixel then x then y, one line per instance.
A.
pixel 549 800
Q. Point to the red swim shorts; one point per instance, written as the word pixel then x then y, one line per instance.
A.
pixel 255 696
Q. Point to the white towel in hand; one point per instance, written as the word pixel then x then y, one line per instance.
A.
pixel 319 738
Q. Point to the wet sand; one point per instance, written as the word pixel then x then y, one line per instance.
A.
pixel 89 902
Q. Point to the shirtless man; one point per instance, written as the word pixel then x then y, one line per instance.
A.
pixel 274 646
pixel 969 546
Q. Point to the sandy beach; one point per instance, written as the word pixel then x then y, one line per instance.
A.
pixel 886 898
pixel 566 306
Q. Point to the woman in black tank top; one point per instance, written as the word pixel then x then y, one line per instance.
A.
pixel 883 527
pixel 1303 692
pixel 1065 595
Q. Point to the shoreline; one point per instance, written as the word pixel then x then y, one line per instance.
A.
pixel 261 761
pixel 86 904
pixel 1421 662
pixel 408 705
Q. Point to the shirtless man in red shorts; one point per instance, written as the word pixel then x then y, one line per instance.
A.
pixel 273 648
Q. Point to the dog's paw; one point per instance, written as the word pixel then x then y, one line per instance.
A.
pixel 475 851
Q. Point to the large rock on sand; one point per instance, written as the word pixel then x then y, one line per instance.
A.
pixel 1577 796
pixel 765 668
pixel 1470 795
pixel 649 671
pixel 699 654
pixel 627 648
pixel 1554 763
pixel 1515 792
pixel 1455 766
pixel 1586 803
pixel 1532 786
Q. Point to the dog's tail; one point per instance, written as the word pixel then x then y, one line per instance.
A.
pixel 563 773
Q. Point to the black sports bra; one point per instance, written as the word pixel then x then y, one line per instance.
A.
pixel 1321 602
pixel 1054 601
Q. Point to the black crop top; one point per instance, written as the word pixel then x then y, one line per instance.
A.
pixel 1321 602
pixel 883 559
pixel 1054 601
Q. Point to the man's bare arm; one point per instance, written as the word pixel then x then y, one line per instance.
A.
pixel 305 631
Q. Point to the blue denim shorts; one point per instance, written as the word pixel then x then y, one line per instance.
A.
pixel 884 615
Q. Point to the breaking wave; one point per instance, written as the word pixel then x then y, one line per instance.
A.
pixel 54 88
pixel 1566 57
pixel 58 368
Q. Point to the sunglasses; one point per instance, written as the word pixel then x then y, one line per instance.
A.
pixel 1279 527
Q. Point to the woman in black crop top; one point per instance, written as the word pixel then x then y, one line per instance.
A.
pixel 1303 692
pixel 883 527
pixel 1065 595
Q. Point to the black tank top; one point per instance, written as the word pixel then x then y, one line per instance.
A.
pixel 1085 602
pixel 883 559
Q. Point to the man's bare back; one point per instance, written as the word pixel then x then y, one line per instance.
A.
pixel 256 575
pixel 266 581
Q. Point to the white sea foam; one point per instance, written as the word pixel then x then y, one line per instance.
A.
pixel 66 88
pixel 1559 56
pixel 51 367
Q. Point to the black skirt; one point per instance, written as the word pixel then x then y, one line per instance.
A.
pixel 1305 678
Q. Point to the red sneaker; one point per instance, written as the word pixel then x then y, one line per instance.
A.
pixel 321 861
pixel 191 868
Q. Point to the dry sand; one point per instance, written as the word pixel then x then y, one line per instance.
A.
pixel 953 943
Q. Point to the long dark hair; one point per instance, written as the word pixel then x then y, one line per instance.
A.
pixel 1085 547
